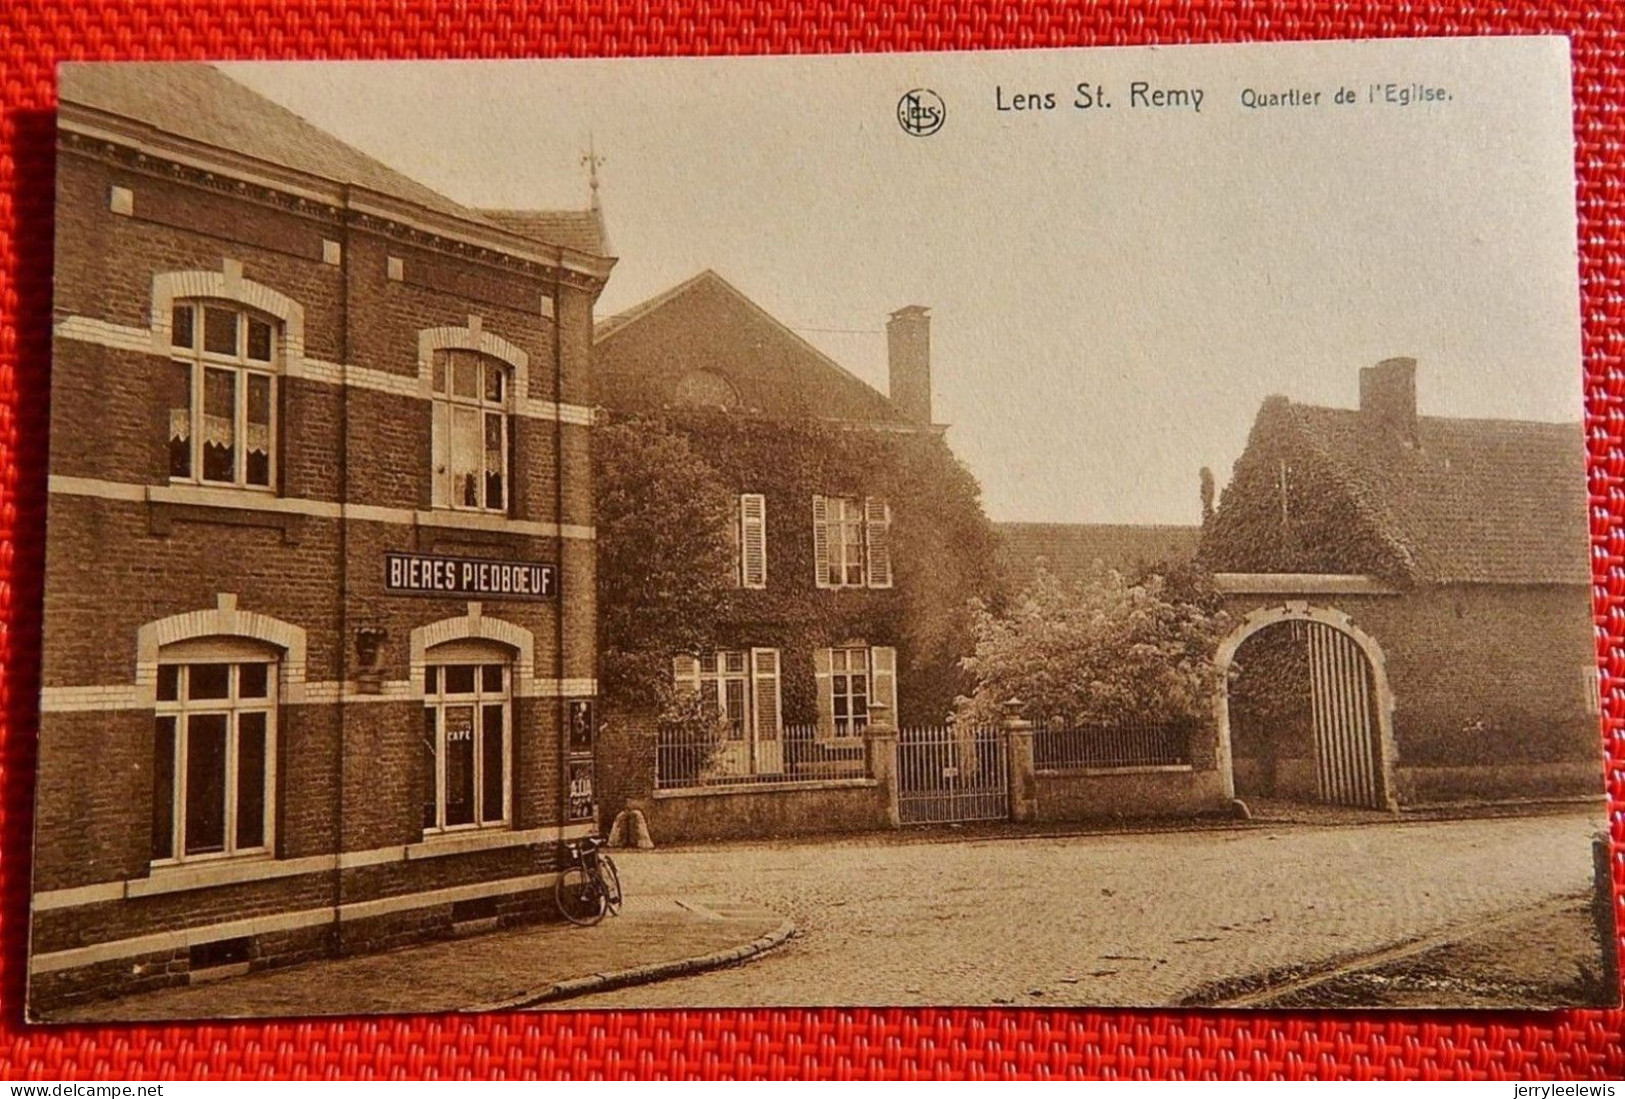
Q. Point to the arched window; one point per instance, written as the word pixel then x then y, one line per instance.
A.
pixel 705 389
pixel 467 735
pixel 214 750
pixel 222 394
pixel 471 394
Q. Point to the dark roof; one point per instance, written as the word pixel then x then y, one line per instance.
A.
pixel 203 104
pixel 707 323
pixel 582 230
pixel 1473 501
pixel 1069 551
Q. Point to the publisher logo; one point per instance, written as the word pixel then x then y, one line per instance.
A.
pixel 921 112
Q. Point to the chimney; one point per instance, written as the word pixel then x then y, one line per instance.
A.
pixel 908 355
pixel 1388 397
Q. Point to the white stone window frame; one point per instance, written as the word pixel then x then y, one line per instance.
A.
pixel 474 338
pixel 428 644
pixel 229 287
pixel 228 629
pixel 479 655
pixel 199 362
pixel 235 653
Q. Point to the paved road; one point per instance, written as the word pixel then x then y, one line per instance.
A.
pixel 1104 920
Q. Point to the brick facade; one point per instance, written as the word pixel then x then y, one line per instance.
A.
pixel 1472 535
pixel 138 560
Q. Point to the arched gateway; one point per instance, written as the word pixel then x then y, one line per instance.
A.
pixel 1351 705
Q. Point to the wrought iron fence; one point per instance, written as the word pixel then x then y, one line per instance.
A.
pixel 691 758
pixel 952 774
pixel 1129 742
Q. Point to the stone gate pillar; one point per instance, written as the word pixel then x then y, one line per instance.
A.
pixel 1018 739
pixel 880 740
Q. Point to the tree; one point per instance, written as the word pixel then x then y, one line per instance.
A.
pixel 1097 651
pixel 665 556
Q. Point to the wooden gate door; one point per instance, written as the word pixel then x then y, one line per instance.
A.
pixel 949 775
pixel 1347 763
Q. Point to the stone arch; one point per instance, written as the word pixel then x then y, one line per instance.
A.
pixel 228 284
pixel 475 626
pixel 225 620
pixel 1299 611
pixel 472 337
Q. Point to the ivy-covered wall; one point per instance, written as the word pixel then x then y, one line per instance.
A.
pixel 942 551
pixel 1287 510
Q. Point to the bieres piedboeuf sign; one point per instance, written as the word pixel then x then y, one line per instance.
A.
pixel 433 574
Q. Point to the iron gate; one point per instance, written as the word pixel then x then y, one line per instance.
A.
pixel 948 775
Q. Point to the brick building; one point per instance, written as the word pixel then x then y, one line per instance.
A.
pixel 1432 570
pixel 858 541
pixel 319 597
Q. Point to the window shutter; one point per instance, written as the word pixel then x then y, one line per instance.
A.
pixel 753 540
pixel 883 680
pixel 823 678
pixel 685 673
pixel 765 694
pixel 877 540
pixel 821 546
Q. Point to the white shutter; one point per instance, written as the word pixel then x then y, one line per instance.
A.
pixel 752 540
pixel 823 662
pixel 685 673
pixel 821 542
pixel 883 680
pixel 877 541
pixel 766 698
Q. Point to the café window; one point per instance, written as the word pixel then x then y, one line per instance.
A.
pixel 470 446
pixel 222 395
pixel 467 730
pixel 214 751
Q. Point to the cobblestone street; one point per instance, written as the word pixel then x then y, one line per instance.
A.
pixel 1103 919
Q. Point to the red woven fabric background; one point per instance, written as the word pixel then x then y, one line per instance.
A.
pixel 35 34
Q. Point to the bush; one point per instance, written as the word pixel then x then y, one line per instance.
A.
pixel 1096 651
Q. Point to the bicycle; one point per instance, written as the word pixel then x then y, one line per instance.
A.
pixel 590 887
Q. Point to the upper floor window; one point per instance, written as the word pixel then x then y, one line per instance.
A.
pixel 213 757
pixel 222 412
pixel 851 542
pixel 471 403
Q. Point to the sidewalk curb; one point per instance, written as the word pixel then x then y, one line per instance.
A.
pixel 639 975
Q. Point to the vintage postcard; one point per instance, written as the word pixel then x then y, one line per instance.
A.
pixel 1069 527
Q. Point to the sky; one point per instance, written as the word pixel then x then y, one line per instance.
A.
pixel 1114 291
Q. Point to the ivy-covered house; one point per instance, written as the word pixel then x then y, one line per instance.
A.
pixel 1457 549
pixel 846 542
